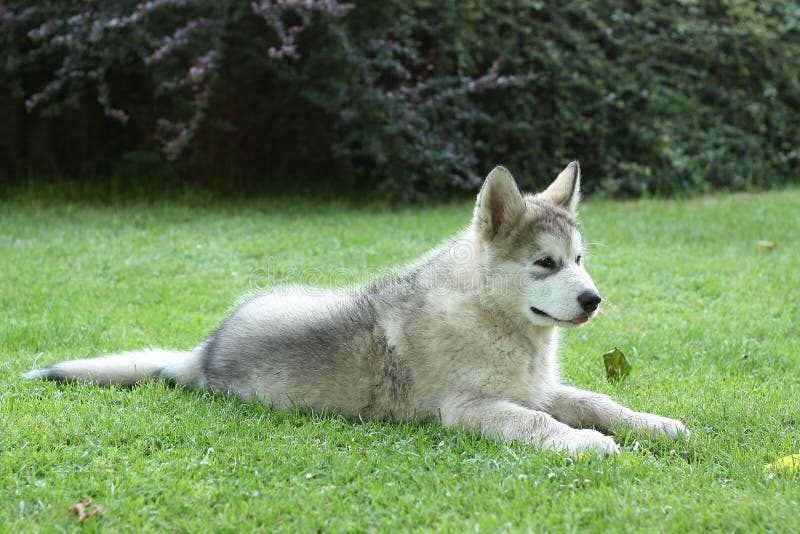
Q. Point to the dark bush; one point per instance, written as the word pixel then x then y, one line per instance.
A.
pixel 405 98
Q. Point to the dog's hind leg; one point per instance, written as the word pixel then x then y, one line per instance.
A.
pixel 508 421
pixel 580 408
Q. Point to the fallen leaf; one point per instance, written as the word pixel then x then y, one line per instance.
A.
pixel 789 463
pixel 81 509
pixel 767 245
pixel 616 364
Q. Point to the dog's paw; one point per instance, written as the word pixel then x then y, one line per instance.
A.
pixel 577 441
pixel 655 424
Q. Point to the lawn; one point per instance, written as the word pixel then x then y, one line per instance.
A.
pixel 708 320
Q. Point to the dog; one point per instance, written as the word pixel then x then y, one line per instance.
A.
pixel 466 336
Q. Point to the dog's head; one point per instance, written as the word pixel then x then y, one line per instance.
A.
pixel 533 250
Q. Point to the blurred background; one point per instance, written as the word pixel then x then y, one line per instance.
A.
pixel 398 98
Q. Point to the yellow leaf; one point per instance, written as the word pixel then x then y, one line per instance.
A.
pixel 767 245
pixel 616 364
pixel 789 463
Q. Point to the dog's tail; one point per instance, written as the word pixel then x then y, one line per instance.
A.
pixel 128 368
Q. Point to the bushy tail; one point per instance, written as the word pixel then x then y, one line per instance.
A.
pixel 129 368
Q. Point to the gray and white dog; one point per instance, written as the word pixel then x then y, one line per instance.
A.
pixel 466 336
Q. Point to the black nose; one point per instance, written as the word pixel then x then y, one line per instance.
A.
pixel 589 301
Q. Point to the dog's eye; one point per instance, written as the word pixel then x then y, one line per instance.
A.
pixel 547 262
pixel 578 260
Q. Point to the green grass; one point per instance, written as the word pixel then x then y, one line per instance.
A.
pixel 709 322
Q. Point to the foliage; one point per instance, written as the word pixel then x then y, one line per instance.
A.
pixel 416 96
pixel 181 42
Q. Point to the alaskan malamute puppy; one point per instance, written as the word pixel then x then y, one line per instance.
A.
pixel 467 335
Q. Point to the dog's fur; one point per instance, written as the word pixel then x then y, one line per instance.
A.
pixel 467 335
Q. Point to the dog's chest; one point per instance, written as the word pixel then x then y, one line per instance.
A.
pixel 485 362
pixel 521 369
pixel 457 349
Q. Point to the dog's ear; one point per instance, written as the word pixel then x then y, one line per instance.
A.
pixel 565 191
pixel 499 203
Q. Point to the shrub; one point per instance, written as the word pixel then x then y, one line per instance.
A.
pixel 409 97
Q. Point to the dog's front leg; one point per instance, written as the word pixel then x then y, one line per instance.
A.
pixel 508 421
pixel 581 408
